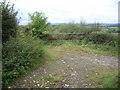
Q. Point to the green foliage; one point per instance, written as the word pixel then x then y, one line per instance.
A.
pixel 39 24
pixel 19 55
pixel 38 21
pixel 83 28
pixel 69 28
pixel 98 48
pixel 9 21
pixel 95 39
pixel 76 28
pixel 109 80
pixel 103 38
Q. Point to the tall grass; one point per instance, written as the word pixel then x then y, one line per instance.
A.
pixel 81 27
pixel 108 80
pixel 101 49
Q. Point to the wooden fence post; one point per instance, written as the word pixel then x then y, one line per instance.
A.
pixel 82 35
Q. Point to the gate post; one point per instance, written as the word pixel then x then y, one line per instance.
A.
pixel 82 35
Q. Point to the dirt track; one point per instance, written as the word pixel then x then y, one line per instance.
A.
pixel 72 70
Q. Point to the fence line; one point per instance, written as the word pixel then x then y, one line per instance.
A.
pixel 66 33
pixel 64 40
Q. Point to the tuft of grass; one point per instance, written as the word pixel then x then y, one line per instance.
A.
pixel 98 48
pixel 104 79
pixel 102 49
pixel 52 81
pixel 109 80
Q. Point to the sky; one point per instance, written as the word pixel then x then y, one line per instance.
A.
pixel 64 11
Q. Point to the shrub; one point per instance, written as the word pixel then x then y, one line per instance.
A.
pixel 19 55
pixel 103 38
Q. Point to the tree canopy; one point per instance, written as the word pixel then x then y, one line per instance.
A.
pixel 38 21
pixel 9 21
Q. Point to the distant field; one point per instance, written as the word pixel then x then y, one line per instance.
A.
pixel 110 29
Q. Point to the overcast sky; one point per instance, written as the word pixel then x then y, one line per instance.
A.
pixel 62 11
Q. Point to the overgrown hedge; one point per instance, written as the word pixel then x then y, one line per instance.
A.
pixel 103 38
pixel 19 55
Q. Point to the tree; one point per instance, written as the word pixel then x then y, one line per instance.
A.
pixel 38 23
pixel 9 21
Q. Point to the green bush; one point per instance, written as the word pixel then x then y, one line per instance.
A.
pixel 19 55
pixel 103 38
pixel 39 24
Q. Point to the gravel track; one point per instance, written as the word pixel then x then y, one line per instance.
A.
pixel 73 69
